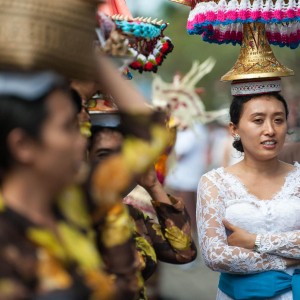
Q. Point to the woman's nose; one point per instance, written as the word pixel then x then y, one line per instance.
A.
pixel 269 129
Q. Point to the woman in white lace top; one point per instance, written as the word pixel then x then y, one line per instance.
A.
pixel 258 199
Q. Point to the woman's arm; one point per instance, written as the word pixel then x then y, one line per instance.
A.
pixel 126 96
pixel 217 254
pixel 171 237
pixel 285 244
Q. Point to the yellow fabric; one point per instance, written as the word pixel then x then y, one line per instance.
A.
pixel 101 284
pixel 116 230
pixel 72 205
pixel 146 247
pixel 7 287
pixel 1 203
pixel 85 129
pixel 177 238
pixel 47 240
pixel 51 274
pixel 80 248
pixel 84 252
pixel 145 154
pixel 158 231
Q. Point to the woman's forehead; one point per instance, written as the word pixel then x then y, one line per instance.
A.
pixel 264 105
pixel 60 104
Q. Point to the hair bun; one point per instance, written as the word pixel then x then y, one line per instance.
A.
pixel 238 146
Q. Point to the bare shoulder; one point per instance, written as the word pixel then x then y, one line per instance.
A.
pixel 214 173
pixel 286 168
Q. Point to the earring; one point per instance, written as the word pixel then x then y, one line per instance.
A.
pixel 237 138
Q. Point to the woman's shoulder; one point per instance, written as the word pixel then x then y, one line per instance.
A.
pixel 291 170
pixel 212 176
pixel 293 173
pixel 296 165
pixel 213 172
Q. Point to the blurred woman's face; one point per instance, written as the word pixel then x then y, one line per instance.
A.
pixel 263 127
pixel 61 149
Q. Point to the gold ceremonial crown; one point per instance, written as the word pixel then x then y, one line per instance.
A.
pixel 256 59
pixel 48 34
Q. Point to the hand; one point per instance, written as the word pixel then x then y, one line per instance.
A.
pixel 85 89
pixel 149 180
pixel 239 237
pixel 291 262
pixel 151 184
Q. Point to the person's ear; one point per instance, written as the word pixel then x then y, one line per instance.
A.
pixel 21 146
pixel 233 129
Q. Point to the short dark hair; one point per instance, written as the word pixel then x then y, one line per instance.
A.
pixel 237 106
pixel 98 129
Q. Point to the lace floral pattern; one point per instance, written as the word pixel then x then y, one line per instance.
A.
pixel 220 195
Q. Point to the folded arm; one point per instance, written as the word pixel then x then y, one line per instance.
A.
pixel 217 254
pixel 283 244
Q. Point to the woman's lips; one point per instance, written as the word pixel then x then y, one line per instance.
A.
pixel 269 144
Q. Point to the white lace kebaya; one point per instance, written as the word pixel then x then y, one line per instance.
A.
pixel 223 195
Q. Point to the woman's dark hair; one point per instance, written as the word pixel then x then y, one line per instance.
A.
pixel 236 110
pixel 19 113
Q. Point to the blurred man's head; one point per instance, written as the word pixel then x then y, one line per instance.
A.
pixel 105 141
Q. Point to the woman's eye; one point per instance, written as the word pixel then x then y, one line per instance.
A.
pixel 278 120
pixel 258 120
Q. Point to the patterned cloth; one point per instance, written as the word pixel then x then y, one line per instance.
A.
pixel 169 240
pixel 36 263
pixel 90 254
pixel 221 22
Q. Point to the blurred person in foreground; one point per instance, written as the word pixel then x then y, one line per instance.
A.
pixel 41 154
pixel 48 250
pixel 168 240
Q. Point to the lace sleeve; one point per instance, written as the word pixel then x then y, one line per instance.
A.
pixel 283 244
pixel 217 255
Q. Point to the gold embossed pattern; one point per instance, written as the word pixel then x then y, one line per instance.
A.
pixel 184 2
pixel 256 59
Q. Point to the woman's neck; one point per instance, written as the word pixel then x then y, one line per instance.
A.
pixel 265 167
pixel 29 195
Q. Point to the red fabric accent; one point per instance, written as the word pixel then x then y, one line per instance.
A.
pixel 115 7
pixel 135 64
pixel 165 47
pixel 160 177
pixel 158 60
pixel 148 66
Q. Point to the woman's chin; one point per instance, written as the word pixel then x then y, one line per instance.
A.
pixel 268 156
pixel 263 155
